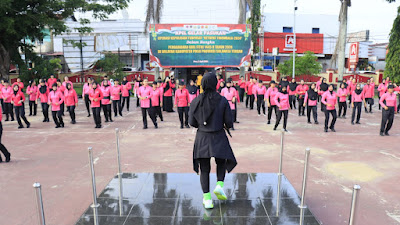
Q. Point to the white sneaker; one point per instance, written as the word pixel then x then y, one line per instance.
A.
pixel 219 192
pixel 208 204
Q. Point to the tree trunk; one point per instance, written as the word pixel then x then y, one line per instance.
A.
pixel 4 62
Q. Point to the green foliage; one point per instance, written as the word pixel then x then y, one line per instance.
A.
pixel 305 65
pixel 255 21
pixel 111 66
pixel 392 68
pixel 28 18
pixel 42 68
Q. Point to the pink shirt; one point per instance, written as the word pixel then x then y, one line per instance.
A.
pixel 68 82
pixel 391 100
pixel 301 89
pixel 95 94
pixel 106 95
pixel 283 102
pixel 260 90
pixel 328 98
pixel 32 92
pixel 249 88
pixel 55 100
pixel 125 89
pixel 229 94
pixel 193 96
pixel 7 92
pixel 270 94
pixel 116 92
pixel 382 88
pixel 146 92
pixel 156 97
pixel 368 91
pixel 18 97
pixel 44 98
pixel 182 97
pixel 310 102
pixel 71 98
pixel 86 89
pixel 342 93
pixel 357 98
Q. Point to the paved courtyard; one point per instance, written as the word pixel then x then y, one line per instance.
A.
pixel 58 159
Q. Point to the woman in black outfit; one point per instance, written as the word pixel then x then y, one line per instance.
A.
pixel 322 89
pixel 3 149
pixel 212 115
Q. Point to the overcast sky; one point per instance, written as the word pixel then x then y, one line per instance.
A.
pixel 374 15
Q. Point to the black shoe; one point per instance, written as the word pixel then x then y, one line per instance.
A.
pixel 387 133
pixel 352 122
pixel 187 126
pixel 111 120
pixel 303 114
pixel 145 127
pixel 326 130
pixel 58 126
pixel 316 122
pixel 128 110
pixel 233 128
pixel 285 130
pixel 299 114
pixel 8 158
pixel 88 115
pixel 370 112
pixel 73 122
pixel 30 114
pixel 381 133
pixel 269 122
pixel 20 127
pixel 156 126
pixel 333 130
pixel 236 121
pixel 44 120
pixel 162 119
pixel 98 126
pixel 12 119
pixel 28 125
pixel 62 125
pixel 274 128
pixel 7 120
pixel 48 120
pixel 106 121
pixel 309 122
pixel 358 122
pixel 181 126
pixel 366 111
pixel 120 114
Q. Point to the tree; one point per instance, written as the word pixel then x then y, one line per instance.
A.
pixel 255 21
pixel 153 12
pixel 392 68
pixel 111 65
pixel 305 65
pixel 242 10
pixel 27 19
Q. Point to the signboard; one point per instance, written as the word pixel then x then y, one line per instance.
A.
pixel 372 59
pixel 358 36
pixel 275 51
pixel 285 41
pixel 353 54
pixel 200 45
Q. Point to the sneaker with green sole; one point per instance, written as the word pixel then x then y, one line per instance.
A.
pixel 219 192
pixel 208 204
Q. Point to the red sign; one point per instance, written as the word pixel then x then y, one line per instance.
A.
pixel 285 41
pixel 353 54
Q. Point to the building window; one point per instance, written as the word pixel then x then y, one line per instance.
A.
pixel 315 30
pixel 287 30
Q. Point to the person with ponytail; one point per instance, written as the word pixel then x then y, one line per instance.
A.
pixel 96 96
pixel 85 94
pixel 301 91
pixel 56 99
pixel 282 103
pixel 329 99
pixel 259 93
pixel 311 99
pixel 126 87
pixel 145 93
pixel 43 95
pixel 388 102
pixel 106 101
pixel 71 100
pixel 292 93
pixel 357 98
pixel 342 94
pixel 270 98
pixel 3 149
pixel 32 91
pixel 17 99
pixel 211 114
pixel 116 98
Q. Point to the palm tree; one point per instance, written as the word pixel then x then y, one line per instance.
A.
pixel 154 11
pixel 242 10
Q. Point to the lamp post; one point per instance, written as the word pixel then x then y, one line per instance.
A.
pixel 294 39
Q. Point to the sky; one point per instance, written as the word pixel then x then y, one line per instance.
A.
pixel 374 15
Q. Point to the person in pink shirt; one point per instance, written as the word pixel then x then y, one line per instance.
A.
pixel 342 94
pixel 351 87
pixel 85 94
pixel 17 99
pixel 329 98
pixel 160 88
pixel 137 85
pixel 282 102
pixel 116 92
pixel 67 81
pixel 382 88
pixel 61 89
pixel 1 95
pixel 242 87
pixel 71 101
pixel 249 92
pixel 389 105
pixel 292 93
pixel 32 91
pixel 323 87
pixel 126 89
pixel 19 83
pixel 357 98
pixel 301 92
pixel 7 92
pixel 231 94
pixel 96 95
pixel 270 98
pixel 311 99
pixel 182 102
pixel 56 98
pixel 259 94
pixel 319 82
pixel 51 81
pixel 3 149
pixel 219 78
pixel 156 101
pixel 145 93
pixel 168 89
pixel 369 96
pixel 43 95
pixel 194 91
pixel 106 101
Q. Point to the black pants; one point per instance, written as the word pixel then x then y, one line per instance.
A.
pixel 205 169
pixel 3 149
pixel 334 117
pixel 96 115
pixel 107 112
pixel 272 107
pixel 301 105
pixel 117 107
pixel 62 108
pixel 260 104
pixel 20 113
pixel 57 117
pixel 234 114
pixel 127 99
pixel 168 104
pixel 279 117
pixel 314 112
pixel 137 101
pixel 251 99
pixel 370 102
pixel 241 94
pixel 323 107
pixel 146 111
pixel 379 98
pixel 181 111
pixel 349 101
pixel 45 110
pixel 87 103
pixel 157 112
pixel 387 119
pixel 357 107
pixel 71 110
pixel 2 105
pixel 8 108
pixel 32 108
pixel 292 101
pixel 342 106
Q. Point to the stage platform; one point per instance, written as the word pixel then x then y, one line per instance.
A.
pixel 176 199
